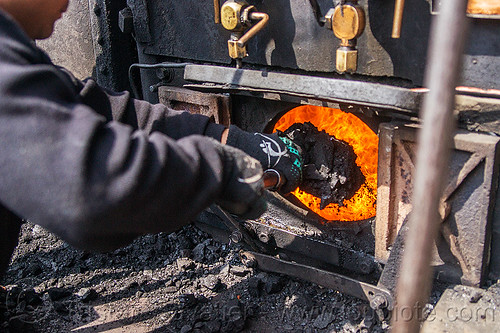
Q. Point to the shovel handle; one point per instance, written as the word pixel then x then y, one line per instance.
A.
pixel 273 179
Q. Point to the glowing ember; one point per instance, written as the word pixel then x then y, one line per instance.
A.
pixel 347 127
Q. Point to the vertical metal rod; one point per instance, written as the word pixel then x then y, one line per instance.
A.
pixel 398 18
pixel 217 11
pixel 448 35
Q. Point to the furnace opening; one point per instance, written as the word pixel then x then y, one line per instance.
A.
pixel 349 128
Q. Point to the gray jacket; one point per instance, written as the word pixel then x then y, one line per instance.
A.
pixel 96 168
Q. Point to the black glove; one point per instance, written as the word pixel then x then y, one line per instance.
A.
pixel 243 189
pixel 273 152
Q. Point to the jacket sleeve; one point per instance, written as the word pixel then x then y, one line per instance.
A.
pixel 119 106
pixel 92 180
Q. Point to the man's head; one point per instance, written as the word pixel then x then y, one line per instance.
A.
pixel 36 17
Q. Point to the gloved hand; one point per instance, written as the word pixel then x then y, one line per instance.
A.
pixel 243 185
pixel 273 152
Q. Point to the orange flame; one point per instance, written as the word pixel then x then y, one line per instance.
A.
pixel 347 127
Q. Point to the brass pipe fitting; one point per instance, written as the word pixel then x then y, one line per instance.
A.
pixel 263 19
pixel 398 18
pixel 348 23
pixel 236 16
pixel 236 51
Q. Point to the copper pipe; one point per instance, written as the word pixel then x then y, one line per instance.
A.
pixel 217 11
pixel 263 17
pixel 398 18
pixel 448 35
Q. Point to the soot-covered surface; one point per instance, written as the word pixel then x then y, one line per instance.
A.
pixel 181 282
pixel 330 171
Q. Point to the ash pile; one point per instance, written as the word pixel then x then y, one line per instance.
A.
pixel 330 171
pixel 180 282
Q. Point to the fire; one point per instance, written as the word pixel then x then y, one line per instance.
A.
pixel 347 127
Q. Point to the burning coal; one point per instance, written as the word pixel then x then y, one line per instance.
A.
pixel 350 129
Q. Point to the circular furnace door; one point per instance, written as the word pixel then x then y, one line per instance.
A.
pixel 350 129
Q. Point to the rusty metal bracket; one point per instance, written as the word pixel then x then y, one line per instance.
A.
pixel 472 163
pixel 215 106
pixel 462 253
pixel 379 298
pixel 352 260
pixel 271 240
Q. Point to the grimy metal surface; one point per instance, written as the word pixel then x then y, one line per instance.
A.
pixel 114 51
pixel 462 250
pixel 215 106
pixel 364 93
pixel 325 252
pixel 294 40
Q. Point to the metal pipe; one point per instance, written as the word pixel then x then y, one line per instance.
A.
pixel 263 19
pixel 216 11
pixel 448 34
pixel 398 18
pixel 273 179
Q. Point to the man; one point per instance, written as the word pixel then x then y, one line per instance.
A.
pixel 98 168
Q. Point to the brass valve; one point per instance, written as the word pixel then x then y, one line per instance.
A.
pixel 232 15
pixel 236 16
pixel 348 23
